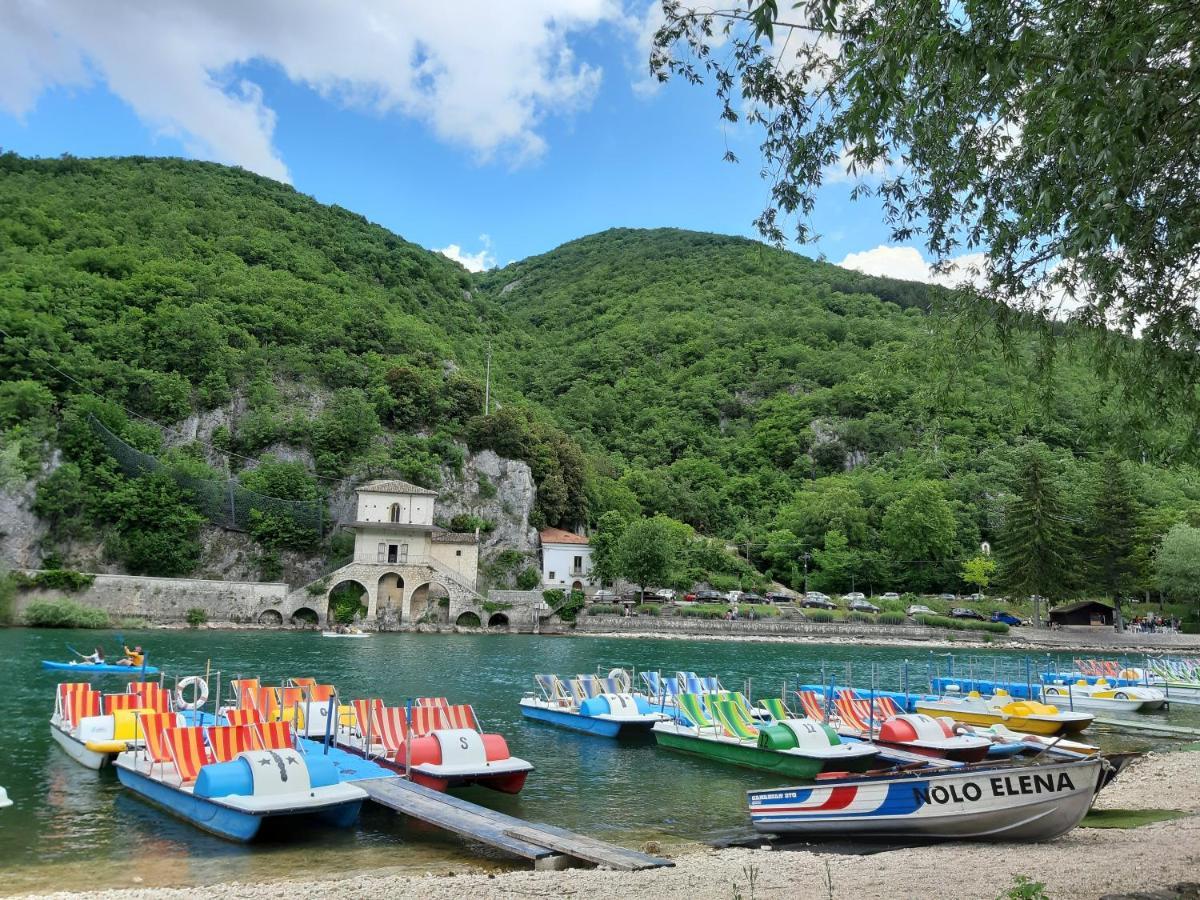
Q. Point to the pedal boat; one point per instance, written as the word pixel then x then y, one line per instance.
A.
pixel 99 668
pixel 229 780
pixel 1102 696
pixel 983 802
pixel 1000 709
pixel 891 728
pixel 439 744
pixel 93 728
pixel 720 730
pixel 608 714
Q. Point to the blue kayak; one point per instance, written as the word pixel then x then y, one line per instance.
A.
pixel 99 668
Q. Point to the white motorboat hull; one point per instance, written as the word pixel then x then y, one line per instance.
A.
pixel 1028 803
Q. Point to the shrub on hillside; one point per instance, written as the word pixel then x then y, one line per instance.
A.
pixel 196 617
pixel 648 609
pixel 891 618
pixel 64 614
pixel 820 615
pixel 858 617
pixel 56 580
pixel 528 579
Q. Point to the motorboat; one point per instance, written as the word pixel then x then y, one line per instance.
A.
pixel 982 802
pixel 607 713
pixel 437 744
pixel 1102 696
pixel 230 779
pixel 721 730
pixel 353 633
pixel 1027 716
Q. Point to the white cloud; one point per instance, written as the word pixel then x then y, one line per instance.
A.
pixel 908 264
pixel 472 262
pixel 481 74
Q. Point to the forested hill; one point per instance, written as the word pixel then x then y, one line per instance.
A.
pixel 753 394
pixel 765 397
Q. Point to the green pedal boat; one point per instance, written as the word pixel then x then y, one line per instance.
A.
pixel 721 728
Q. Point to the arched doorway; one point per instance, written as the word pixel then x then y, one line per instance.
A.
pixel 430 603
pixel 468 620
pixel 347 602
pixel 270 617
pixel 389 599
pixel 577 586
pixel 305 617
pixel 498 621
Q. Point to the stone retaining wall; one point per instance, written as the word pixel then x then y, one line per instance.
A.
pixel 165 601
pixel 700 627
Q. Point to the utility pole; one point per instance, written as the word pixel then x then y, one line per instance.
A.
pixel 806 557
pixel 487 382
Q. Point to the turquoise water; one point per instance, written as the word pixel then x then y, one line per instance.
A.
pixel 73 828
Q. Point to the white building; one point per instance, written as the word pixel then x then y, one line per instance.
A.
pixel 393 526
pixel 566 561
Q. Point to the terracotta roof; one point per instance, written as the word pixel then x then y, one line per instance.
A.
pixel 453 537
pixel 395 486
pixel 558 536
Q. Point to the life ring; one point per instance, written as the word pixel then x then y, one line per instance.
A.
pixel 198 700
pixel 621 679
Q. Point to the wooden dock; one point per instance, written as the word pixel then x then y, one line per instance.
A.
pixel 1137 725
pixel 547 846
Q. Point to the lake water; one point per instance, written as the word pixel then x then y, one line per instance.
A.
pixel 72 828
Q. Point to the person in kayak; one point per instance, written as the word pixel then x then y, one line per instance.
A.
pixel 134 658
pixel 96 658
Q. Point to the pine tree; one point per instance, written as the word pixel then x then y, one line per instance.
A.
pixel 1035 546
pixel 1112 531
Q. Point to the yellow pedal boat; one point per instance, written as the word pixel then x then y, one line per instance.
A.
pixel 1019 715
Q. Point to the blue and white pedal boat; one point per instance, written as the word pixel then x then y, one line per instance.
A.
pixel 981 802
pixel 607 714
pixel 233 799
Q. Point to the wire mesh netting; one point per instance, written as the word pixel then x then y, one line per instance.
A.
pixel 224 502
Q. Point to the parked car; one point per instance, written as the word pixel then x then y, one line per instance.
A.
pixel 734 596
pixel 976 598
pixel 666 595
pixel 890 595
pixel 776 597
pixel 947 596
pixel 863 605
pixel 604 597
pixel 854 595
pixel 689 597
pixel 709 597
pixel 1006 618
pixel 817 600
pixel 961 612
pixel 752 598
pixel 919 609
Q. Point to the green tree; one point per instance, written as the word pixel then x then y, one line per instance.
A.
pixel 1177 563
pixel 978 571
pixel 158 529
pixel 1035 542
pixel 836 563
pixel 648 551
pixel 968 124
pixel 919 527
pixel 1112 532
pixel 605 541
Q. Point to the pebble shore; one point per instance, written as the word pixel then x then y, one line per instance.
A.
pixel 1086 863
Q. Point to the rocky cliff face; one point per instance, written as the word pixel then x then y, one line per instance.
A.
pixel 21 531
pixel 497 489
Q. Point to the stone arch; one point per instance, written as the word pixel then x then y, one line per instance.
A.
pixel 389 599
pixel 577 585
pixel 498 620
pixel 306 616
pixel 342 593
pixel 270 617
pixel 468 620
pixel 429 602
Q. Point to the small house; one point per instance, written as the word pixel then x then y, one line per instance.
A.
pixel 566 560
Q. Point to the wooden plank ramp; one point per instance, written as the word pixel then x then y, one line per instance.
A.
pixel 1137 725
pixel 546 845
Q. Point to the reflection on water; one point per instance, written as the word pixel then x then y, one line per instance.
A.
pixel 72 828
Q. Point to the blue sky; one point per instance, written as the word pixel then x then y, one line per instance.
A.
pixel 500 138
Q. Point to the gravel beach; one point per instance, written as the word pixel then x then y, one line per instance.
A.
pixel 1087 863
